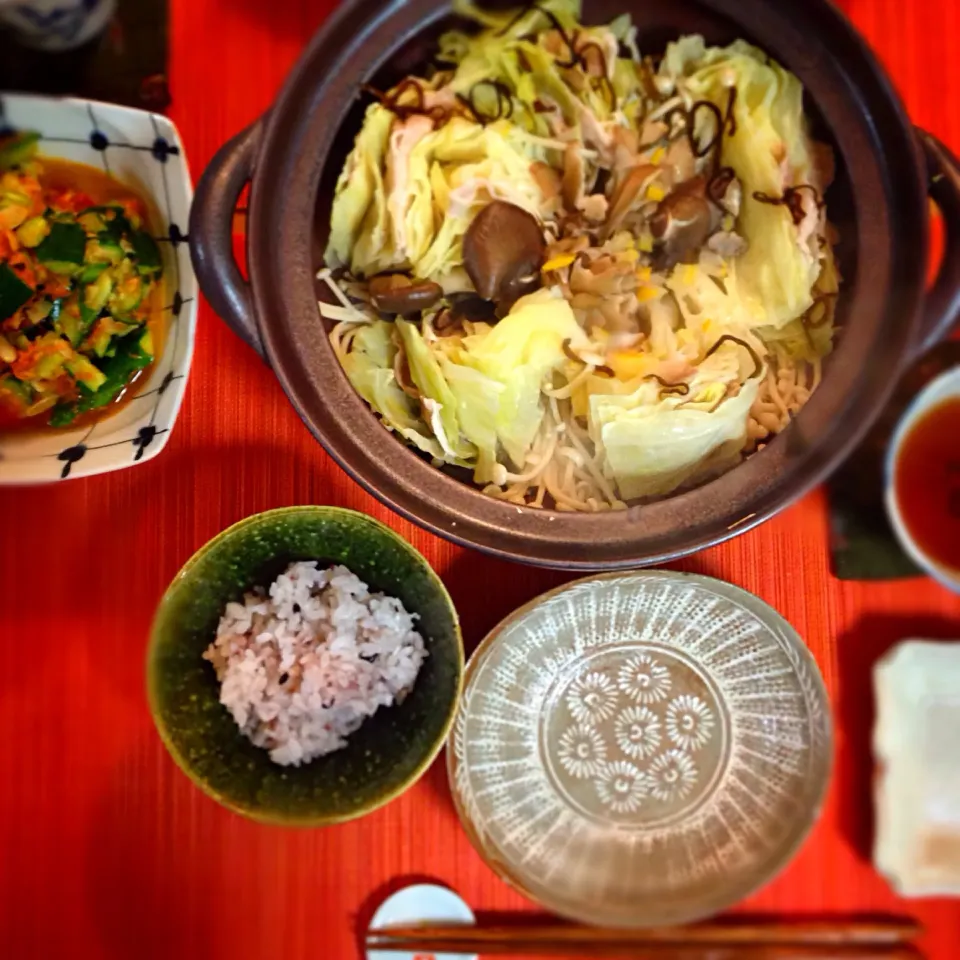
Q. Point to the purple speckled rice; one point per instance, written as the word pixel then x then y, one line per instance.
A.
pixel 302 665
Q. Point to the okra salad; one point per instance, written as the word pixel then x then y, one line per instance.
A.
pixel 79 274
pixel 586 272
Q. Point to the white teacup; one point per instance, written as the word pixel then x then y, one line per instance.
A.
pixel 56 24
pixel 944 388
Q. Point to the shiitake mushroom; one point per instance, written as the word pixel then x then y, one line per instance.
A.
pixel 682 223
pixel 503 251
pixel 468 306
pixel 397 294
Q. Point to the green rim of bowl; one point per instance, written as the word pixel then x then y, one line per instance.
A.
pixel 157 641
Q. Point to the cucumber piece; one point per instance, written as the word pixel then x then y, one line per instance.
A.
pixel 96 294
pixel 8 352
pixel 116 223
pixel 18 149
pixel 69 326
pixel 92 221
pixel 48 366
pixel 88 318
pixel 107 332
pixel 99 342
pixel 63 246
pixel 32 233
pixel 83 371
pixel 118 370
pixel 101 337
pixel 147 254
pixel 39 311
pixel 16 388
pixel 62 268
pixel 14 198
pixel 91 271
pixel 128 295
pixel 14 293
pixel 72 323
pixel 104 248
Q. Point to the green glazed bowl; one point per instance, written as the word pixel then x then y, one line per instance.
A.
pixel 385 756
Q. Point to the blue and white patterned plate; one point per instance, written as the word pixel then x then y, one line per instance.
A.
pixel 143 150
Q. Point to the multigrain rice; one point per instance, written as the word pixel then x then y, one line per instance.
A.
pixel 303 664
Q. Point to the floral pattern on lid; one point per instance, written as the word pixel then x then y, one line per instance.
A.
pixel 635 756
pixel 690 722
pixel 592 698
pixel 637 732
pixel 582 751
pixel 644 679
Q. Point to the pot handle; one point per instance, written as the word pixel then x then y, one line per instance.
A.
pixel 942 307
pixel 211 234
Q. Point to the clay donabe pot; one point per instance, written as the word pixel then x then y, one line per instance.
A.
pixel 886 171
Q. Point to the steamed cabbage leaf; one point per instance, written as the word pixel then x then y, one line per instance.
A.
pixel 407 185
pixel 369 367
pixel 506 22
pixel 531 72
pixel 805 341
pixel 478 403
pixel 709 308
pixel 770 152
pixel 652 448
pixel 477 397
pixel 360 184
pixel 466 401
pixel 518 353
pixel 439 402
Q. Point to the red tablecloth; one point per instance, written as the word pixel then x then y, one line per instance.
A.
pixel 106 850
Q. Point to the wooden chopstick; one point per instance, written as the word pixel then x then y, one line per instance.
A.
pixel 655 951
pixel 838 932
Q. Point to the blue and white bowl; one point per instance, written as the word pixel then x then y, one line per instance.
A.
pixel 143 150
